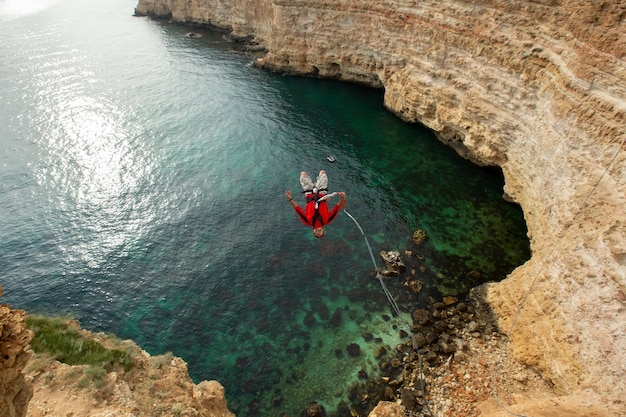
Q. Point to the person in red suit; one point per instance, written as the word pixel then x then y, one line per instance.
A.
pixel 316 213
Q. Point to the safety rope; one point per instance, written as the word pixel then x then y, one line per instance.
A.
pixel 396 309
pixel 533 282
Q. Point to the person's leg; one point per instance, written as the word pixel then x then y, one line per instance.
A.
pixel 306 182
pixel 322 182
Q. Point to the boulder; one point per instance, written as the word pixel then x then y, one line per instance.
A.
pixel 419 236
pixel 394 265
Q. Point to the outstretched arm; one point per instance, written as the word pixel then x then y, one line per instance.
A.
pixel 306 219
pixel 288 195
pixel 342 202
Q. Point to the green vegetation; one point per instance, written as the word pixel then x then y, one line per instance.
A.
pixel 58 338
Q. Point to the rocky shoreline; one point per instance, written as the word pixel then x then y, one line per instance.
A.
pixel 459 344
pixel 447 364
pixel 452 359
pixel 456 361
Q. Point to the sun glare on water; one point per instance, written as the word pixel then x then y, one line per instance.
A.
pixel 96 173
pixel 12 9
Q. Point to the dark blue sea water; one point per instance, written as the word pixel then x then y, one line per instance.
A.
pixel 142 180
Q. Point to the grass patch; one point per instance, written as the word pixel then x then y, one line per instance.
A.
pixel 56 337
pixel 38 364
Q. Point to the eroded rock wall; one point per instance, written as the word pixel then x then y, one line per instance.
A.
pixel 536 87
pixel 15 390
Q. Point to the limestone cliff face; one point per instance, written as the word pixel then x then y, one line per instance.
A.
pixel 15 390
pixel 536 87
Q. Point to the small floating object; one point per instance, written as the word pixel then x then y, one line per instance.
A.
pixel 331 158
pixel 193 35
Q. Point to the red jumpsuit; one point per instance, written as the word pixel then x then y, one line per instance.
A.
pixel 316 218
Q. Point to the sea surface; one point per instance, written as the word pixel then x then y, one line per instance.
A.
pixel 142 181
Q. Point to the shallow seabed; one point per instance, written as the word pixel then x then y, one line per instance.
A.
pixel 142 179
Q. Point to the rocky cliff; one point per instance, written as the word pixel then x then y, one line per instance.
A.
pixel 535 87
pixel 15 390
pixel 154 386
pixel 37 385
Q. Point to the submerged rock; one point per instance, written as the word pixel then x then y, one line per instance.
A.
pixel 336 318
pixel 309 319
pixel 354 349
pixel 314 410
pixel 323 311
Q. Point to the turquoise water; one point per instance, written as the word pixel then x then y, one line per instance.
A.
pixel 142 180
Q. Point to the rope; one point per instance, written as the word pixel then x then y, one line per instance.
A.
pixel 395 308
pixel 543 264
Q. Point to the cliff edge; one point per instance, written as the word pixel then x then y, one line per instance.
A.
pixel 537 88
pixel 38 385
pixel 150 386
